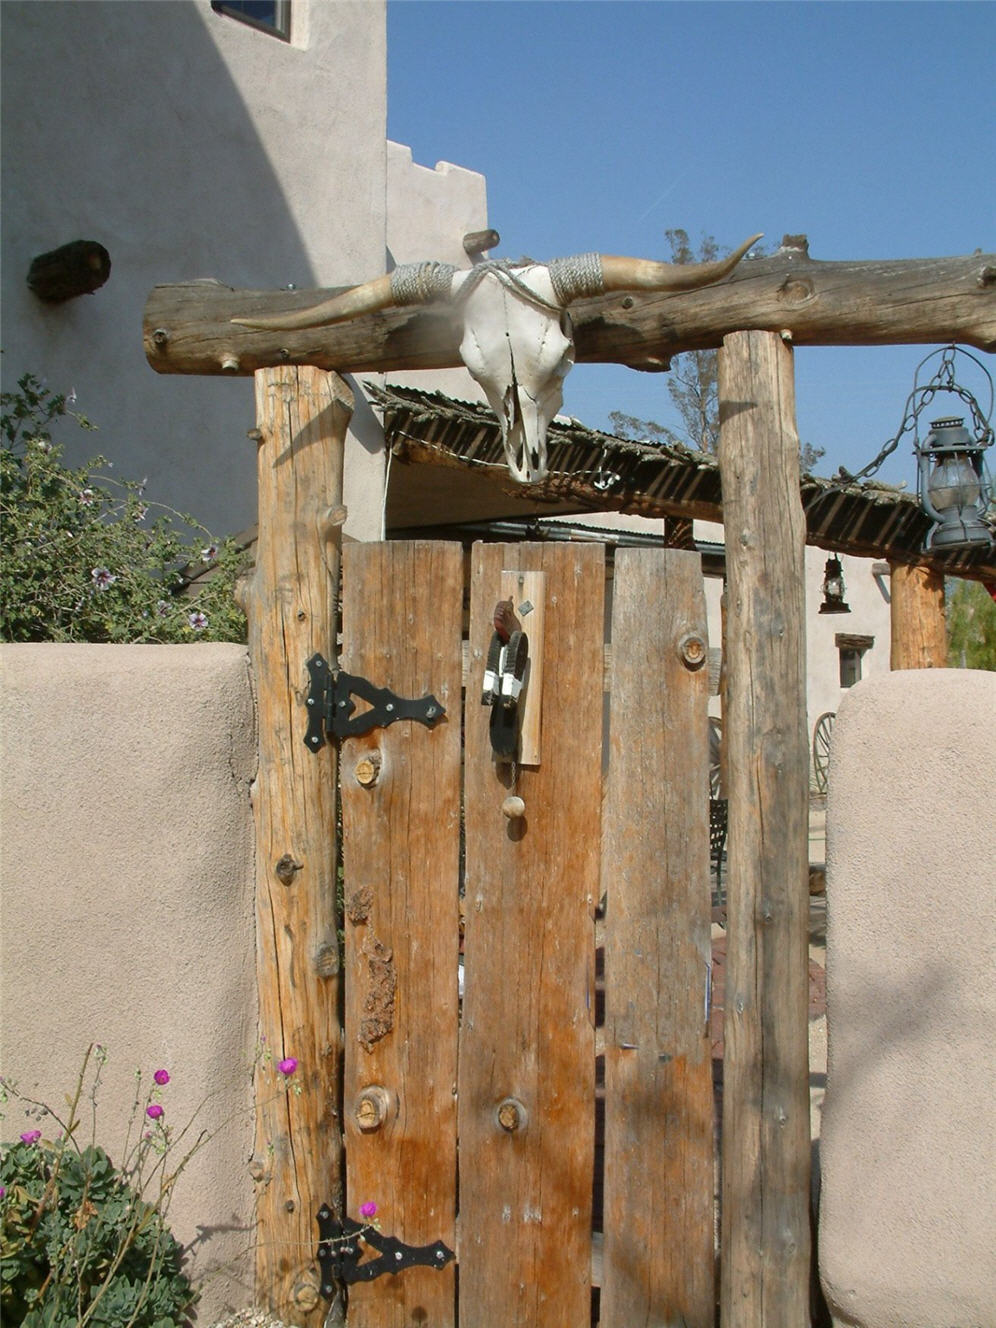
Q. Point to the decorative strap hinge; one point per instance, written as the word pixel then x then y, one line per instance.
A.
pixel 331 706
pixel 341 1247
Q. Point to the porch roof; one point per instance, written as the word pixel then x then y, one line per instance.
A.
pixel 433 435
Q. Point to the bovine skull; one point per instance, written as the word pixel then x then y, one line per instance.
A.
pixel 517 344
pixel 517 338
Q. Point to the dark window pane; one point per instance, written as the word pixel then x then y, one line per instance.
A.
pixel 269 15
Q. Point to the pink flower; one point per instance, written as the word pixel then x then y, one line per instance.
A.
pixel 153 1111
pixel 161 1076
pixel 368 1210
pixel 288 1066
pixel 30 1136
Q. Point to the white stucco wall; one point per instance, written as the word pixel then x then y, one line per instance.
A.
pixel 429 211
pixel 867 596
pixel 192 145
pixel 189 145
pixel 127 910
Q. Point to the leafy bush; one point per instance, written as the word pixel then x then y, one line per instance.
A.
pixel 80 1243
pixel 86 558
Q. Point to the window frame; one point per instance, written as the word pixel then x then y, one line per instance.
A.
pixel 851 651
pixel 279 28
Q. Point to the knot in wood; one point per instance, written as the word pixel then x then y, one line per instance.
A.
pixel 305 1293
pixel 286 868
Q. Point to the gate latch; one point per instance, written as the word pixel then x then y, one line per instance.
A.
pixel 330 705
pixel 341 1245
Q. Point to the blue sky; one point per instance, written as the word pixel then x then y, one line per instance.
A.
pixel 599 124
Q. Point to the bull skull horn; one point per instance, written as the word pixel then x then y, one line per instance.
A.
pixel 412 283
pixel 620 274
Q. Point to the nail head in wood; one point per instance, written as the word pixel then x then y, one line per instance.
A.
pixel 368 769
pixel 692 649
pixel 511 1115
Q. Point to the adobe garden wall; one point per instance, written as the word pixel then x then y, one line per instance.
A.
pixel 126 913
pixel 908 1140
pixel 126 906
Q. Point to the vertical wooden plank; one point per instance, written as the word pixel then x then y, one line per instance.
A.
pixel 765 1227
pixel 302 416
pixel 527 1039
pixel 402 620
pixel 658 1265
pixel 919 634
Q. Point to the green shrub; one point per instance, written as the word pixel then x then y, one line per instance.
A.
pixel 85 557
pixel 80 1243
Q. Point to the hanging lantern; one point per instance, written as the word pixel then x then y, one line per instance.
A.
pixel 955 487
pixel 952 477
pixel 833 588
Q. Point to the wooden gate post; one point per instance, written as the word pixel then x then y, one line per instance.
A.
pixel 765 1192
pixel 919 630
pixel 302 415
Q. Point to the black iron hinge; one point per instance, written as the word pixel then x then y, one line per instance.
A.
pixel 331 706
pixel 341 1247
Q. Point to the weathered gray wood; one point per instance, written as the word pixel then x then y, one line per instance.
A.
pixel 765 1195
pixel 401 623
pixel 658 1250
pixel 302 415
pixel 187 327
pixel 527 1034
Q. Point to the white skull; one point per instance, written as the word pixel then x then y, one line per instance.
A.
pixel 517 344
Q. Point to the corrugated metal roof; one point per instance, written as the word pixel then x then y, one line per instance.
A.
pixel 591 470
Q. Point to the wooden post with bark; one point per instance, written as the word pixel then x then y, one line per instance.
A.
pixel 919 629
pixel 302 415
pixel 765 1194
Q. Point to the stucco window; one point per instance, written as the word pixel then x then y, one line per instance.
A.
pixel 850 650
pixel 272 16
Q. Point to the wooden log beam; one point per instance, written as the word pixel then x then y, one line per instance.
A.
pixel 302 415
pixel 187 328
pixel 765 1221
pixel 919 631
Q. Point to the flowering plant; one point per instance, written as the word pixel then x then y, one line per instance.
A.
pixel 86 1241
pixel 85 557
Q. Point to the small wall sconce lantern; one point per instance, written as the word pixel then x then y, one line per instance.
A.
pixel 833 588
pixel 955 487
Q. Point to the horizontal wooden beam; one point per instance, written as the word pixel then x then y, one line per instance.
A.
pixel 187 328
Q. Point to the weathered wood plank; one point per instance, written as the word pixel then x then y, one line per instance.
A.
pixel 765 1195
pixel 658 1260
pixel 187 327
pixel 402 621
pixel 527 1033
pixel 919 634
pixel 302 415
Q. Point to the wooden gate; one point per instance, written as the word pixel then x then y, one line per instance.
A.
pixel 475 1120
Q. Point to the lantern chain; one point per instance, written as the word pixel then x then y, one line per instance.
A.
pixel 918 400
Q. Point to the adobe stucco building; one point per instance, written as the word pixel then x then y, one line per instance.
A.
pixel 192 145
